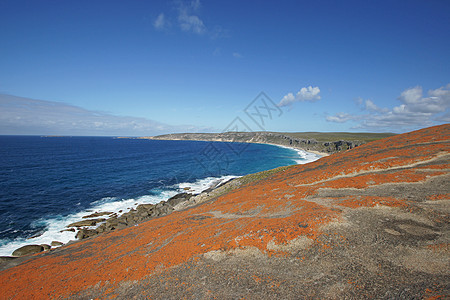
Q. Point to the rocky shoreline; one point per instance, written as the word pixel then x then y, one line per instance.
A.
pixel 110 221
pixel 102 222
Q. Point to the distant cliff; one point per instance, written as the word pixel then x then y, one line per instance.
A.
pixel 311 141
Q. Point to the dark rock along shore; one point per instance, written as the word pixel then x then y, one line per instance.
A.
pixel 142 213
pixel 371 222
pixel 83 228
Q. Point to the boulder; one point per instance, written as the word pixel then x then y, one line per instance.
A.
pixel 111 222
pixel 121 226
pixel 143 214
pixel 162 210
pixel 101 228
pixel 90 222
pixel 144 207
pixel 28 250
pixel 98 214
pixel 178 198
pixel 56 244
pixel 46 247
pixel 85 233
pixel 116 223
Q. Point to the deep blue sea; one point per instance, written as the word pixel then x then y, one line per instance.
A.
pixel 48 182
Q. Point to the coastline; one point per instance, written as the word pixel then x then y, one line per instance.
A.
pixel 103 212
pixel 349 225
pixel 320 154
pixel 323 154
pixel 93 219
pixel 321 143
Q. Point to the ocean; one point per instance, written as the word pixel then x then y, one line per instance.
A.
pixel 47 183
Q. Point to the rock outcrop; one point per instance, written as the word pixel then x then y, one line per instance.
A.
pixel 89 222
pixel 371 222
pixel 142 213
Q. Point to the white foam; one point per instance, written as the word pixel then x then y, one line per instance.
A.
pixel 305 156
pixel 203 184
pixel 56 224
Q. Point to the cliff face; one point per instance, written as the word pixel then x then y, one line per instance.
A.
pixel 371 222
pixel 333 142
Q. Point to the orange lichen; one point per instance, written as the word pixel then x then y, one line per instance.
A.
pixel 271 210
pixel 439 197
pixel 444 247
pixel 371 201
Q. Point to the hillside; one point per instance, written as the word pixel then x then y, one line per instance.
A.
pixel 327 143
pixel 370 222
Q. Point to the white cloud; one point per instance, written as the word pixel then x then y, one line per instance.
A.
pixel 187 16
pixel 237 55
pixel 370 106
pixel 191 23
pixel 309 93
pixel 438 100
pixel 160 22
pixel 188 21
pixel 340 118
pixel 28 116
pixel 415 111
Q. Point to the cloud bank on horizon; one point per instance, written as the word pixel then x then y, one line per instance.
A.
pixel 415 111
pixel 28 116
pixel 24 116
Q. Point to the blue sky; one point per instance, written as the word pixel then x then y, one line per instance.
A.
pixel 152 67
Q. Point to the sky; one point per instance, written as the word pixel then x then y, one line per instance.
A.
pixel 152 67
